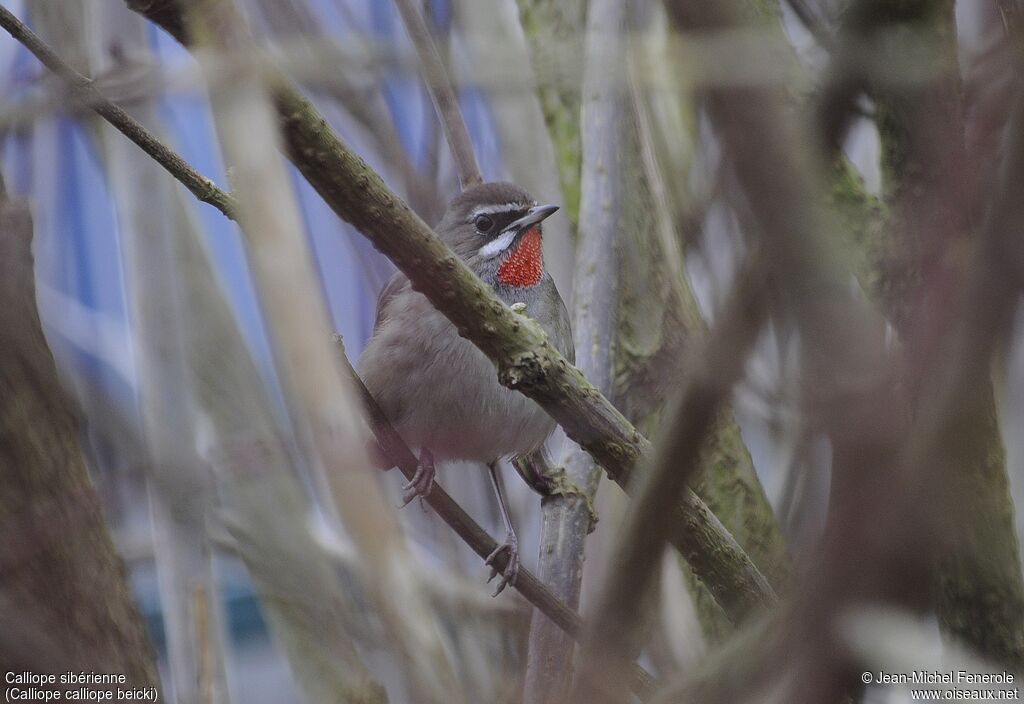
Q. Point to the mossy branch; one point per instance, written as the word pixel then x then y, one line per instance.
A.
pixel 551 24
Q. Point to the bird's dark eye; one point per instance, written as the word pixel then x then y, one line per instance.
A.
pixel 484 224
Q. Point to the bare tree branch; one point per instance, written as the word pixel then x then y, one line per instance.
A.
pixel 355 88
pixel 525 359
pixel 442 92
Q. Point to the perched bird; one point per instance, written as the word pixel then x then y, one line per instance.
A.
pixel 439 391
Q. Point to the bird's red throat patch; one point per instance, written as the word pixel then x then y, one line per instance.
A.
pixel 525 265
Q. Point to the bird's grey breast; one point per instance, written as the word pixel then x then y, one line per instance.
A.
pixel 442 392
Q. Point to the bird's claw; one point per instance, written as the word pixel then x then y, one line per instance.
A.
pixel 511 571
pixel 422 481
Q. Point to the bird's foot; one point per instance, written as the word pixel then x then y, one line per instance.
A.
pixel 422 481
pixel 511 569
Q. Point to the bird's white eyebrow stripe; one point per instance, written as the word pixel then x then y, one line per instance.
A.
pixel 495 209
pixel 497 245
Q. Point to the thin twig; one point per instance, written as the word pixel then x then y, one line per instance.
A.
pixel 442 93
pixel 206 658
pixel 201 187
pixel 526 583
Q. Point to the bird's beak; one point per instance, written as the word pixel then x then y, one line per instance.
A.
pixel 511 234
pixel 532 217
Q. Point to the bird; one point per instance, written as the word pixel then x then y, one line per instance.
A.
pixel 439 391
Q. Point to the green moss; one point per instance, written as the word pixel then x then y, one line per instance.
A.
pixel 864 228
pixel 730 487
pixel 549 24
pixel 763 10
pixel 561 484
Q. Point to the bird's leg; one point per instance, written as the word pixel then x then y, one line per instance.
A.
pixel 511 544
pixel 422 481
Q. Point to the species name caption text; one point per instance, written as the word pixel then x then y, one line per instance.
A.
pixel 73 686
pixel 954 685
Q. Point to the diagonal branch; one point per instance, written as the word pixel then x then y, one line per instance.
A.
pixel 442 93
pixel 525 359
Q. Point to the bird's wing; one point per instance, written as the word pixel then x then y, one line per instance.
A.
pixel 562 320
pixel 395 285
pixel 570 347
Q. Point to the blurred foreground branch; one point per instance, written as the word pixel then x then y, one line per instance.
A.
pixel 265 508
pixel 60 575
pixel 931 181
pixel 890 477
pixel 519 348
pixel 662 320
pixel 319 398
pixel 613 637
